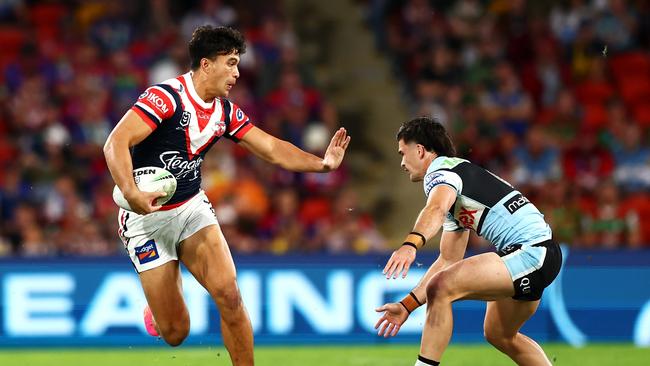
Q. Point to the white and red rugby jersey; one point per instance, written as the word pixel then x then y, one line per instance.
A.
pixel 184 128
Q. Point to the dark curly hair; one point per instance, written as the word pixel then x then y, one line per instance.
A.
pixel 209 42
pixel 428 133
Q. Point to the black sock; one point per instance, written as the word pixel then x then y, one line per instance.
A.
pixel 428 361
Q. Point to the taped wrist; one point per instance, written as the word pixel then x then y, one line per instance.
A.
pixel 415 240
pixel 410 302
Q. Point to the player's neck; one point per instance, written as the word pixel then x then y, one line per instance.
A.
pixel 200 82
pixel 429 158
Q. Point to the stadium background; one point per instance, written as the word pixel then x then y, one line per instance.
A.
pixel 552 96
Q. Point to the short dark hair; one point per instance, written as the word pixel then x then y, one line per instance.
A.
pixel 208 42
pixel 428 133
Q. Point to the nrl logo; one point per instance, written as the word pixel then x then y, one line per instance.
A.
pixel 185 119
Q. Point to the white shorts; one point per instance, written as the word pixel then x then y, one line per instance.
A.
pixel 152 240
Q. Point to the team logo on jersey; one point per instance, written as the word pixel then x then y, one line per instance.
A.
pixel 185 119
pixel 219 128
pixel 147 252
pixel 144 95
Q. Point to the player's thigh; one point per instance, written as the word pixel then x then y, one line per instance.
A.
pixel 162 288
pixel 504 317
pixel 481 277
pixel 207 256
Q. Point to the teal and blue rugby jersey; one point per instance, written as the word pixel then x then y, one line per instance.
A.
pixel 486 204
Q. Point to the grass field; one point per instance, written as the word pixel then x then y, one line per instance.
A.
pixel 379 355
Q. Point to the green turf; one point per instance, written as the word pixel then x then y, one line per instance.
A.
pixel 379 355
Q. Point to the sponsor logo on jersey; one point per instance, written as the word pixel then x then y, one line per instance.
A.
pixel 515 203
pixel 239 114
pixel 153 99
pixel 147 252
pixel 180 166
pixel 467 217
pixel 431 180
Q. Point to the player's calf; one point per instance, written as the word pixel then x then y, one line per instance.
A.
pixel 173 332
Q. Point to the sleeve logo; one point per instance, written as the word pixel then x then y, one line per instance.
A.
pixel 431 180
pixel 239 114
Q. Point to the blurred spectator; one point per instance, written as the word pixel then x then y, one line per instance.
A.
pixel 506 104
pixel 632 161
pixel 607 224
pixel 560 204
pixel 587 162
pixel 538 163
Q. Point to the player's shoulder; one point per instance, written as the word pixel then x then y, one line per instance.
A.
pixel 173 85
pixel 445 163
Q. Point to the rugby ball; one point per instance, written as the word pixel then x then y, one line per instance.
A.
pixel 149 179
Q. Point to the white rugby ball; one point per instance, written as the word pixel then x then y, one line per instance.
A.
pixel 149 179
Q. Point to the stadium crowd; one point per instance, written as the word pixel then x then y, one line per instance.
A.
pixel 553 97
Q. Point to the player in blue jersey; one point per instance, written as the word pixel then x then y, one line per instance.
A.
pixel 463 196
pixel 172 125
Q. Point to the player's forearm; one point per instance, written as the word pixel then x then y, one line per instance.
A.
pixel 290 157
pixel 429 221
pixel 118 160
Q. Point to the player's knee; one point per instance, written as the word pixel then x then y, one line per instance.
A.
pixel 228 297
pixel 497 339
pixel 438 287
pixel 175 332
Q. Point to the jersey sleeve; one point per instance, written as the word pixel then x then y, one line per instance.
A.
pixel 437 177
pixel 155 105
pixel 239 124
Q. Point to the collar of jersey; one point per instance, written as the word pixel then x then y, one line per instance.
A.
pixel 192 92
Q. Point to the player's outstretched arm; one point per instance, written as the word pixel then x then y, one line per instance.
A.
pixel 290 157
pixel 129 131
pixel 429 221
pixel 452 250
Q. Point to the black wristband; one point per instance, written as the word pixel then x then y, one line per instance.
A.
pixel 424 240
pixel 410 244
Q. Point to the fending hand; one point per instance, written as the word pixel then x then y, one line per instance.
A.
pixel 400 261
pixel 391 320
pixel 336 150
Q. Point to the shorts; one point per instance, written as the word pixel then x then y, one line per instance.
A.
pixel 152 240
pixel 532 267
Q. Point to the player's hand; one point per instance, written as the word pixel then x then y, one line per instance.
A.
pixel 400 261
pixel 143 203
pixel 336 150
pixel 391 321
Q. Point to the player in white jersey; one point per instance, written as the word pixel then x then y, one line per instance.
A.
pixel 172 125
pixel 463 196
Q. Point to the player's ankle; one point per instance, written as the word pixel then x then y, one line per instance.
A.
pixel 423 361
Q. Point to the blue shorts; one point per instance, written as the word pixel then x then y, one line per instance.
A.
pixel 532 267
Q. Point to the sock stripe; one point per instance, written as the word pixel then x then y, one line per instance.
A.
pixel 428 361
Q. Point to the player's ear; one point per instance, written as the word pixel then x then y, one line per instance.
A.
pixel 205 64
pixel 421 150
